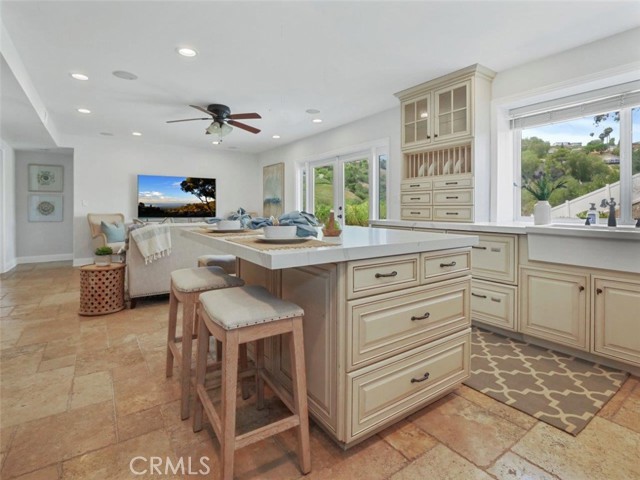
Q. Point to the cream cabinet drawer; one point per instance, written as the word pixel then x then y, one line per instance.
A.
pixel 453 197
pixel 388 324
pixel 449 181
pixel 494 258
pixel 415 213
pixel 437 266
pixel 386 391
pixel 367 277
pixel 416 198
pixel 410 185
pixel 494 304
pixel 453 214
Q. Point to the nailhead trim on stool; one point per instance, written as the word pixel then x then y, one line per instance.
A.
pixel 186 285
pixel 259 315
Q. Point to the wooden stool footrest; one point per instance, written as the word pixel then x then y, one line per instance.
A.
pixel 267 431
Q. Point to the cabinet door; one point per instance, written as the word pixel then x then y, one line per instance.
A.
pixel 616 319
pixel 416 128
pixel 453 116
pixel 554 306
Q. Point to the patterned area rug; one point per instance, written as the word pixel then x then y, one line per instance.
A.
pixel 558 389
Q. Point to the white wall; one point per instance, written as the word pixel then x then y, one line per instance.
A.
pixel 43 241
pixel 7 208
pixel 384 125
pixel 105 178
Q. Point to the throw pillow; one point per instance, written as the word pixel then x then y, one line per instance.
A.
pixel 113 231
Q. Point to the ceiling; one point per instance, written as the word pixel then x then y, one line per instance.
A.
pixel 279 59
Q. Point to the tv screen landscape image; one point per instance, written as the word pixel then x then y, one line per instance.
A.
pixel 176 197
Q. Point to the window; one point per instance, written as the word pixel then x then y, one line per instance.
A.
pixel 578 154
pixel 353 184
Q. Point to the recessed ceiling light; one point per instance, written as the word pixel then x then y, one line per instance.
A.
pixel 125 75
pixel 79 76
pixel 136 134
pixel 317 120
pixel 106 134
pixel 84 110
pixel 275 136
pixel 312 111
pixel 187 52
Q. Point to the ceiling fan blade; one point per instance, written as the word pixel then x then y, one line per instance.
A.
pixel 244 116
pixel 204 110
pixel 187 120
pixel 243 126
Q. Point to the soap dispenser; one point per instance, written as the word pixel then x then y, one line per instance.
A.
pixel 592 215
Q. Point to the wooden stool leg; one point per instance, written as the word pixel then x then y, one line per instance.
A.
pixel 187 341
pixel 218 351
pixel 171 335
pixel 244 363
pixel 298 377
pixel 228 396
pixel 201 370
pixel 259 368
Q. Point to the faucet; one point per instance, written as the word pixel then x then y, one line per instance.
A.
pixel 611 222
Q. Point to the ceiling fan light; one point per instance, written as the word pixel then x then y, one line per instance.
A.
pixel 213 129
pixel 225 129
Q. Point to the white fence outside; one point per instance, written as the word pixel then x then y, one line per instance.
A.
pixel 571 208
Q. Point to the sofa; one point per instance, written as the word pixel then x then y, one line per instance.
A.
pixel 144 280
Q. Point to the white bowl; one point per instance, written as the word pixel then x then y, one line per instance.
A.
pixel 280 232
pixel 229 225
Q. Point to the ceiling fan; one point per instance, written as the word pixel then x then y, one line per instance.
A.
pixel 222 120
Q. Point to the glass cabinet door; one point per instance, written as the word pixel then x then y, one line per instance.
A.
pixel 416 121
pixel 452 111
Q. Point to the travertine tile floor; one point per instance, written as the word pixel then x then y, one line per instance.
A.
pixel 82 396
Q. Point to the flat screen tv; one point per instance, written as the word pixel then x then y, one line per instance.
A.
pixel 176 197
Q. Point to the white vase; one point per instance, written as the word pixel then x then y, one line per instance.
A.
pixel 542 213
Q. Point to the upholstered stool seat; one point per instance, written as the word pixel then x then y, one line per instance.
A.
pixel 186 285
pixel 226 262
pixel 236 317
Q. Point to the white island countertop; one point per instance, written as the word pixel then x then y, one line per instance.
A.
pixel 355 243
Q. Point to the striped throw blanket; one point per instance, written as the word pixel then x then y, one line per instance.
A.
pixel 153 241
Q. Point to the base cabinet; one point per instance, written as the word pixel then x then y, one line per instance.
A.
pixel 494 304
pixel 617 319
pixel 554 306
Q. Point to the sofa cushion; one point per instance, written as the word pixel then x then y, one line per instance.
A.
pixel 114 231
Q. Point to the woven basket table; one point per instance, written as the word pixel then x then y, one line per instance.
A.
pixel 101 289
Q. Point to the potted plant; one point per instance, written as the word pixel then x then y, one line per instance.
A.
pixel 541 186
pixel 103 256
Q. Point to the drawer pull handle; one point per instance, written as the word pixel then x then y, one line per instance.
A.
pixel 450 183
pixel 598 291
pixel 497 300
pixel 414 185
pixel 423 317
pixel 415 213
pixel 382 275
pixel 414 198
pixel 418 380
pixel 478 295
pixel 452 213
pixel 452 198
pixel 581 288
pixel 452 264
pixel 479 248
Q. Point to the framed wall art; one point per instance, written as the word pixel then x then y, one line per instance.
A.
pixel 45 208
pixel 273 190
pixel 46 178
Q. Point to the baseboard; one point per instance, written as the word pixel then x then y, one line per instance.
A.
pixel 79 262
pixel 61 257
pixel 10 265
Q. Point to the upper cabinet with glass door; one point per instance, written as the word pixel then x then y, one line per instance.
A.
pixel 440 110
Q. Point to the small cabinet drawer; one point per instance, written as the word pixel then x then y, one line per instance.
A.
pixel 453 197
pixel 494 258
pixel 391 323
pixel 451 181
pixel 410 185
pixel 494 304
pixel 453 214
pixel 389 390
pixel 415 213
pixel 417 198
pixel 438 266
pixel 367 277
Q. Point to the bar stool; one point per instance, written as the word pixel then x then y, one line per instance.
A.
pixel 238 316
pixel 186 285
pixel 226 262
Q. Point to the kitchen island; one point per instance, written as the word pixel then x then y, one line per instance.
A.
pixel 387 319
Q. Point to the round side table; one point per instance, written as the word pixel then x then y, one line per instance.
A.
pixel 101 289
